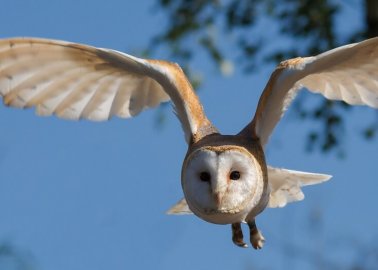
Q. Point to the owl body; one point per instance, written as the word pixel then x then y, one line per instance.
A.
pixel 224 157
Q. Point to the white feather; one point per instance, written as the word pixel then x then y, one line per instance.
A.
pixel 180 208
pixel 285 185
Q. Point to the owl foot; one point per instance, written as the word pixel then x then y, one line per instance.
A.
pixel 237 235
pixel 256 238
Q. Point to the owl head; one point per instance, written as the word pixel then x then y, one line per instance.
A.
pixel 222 183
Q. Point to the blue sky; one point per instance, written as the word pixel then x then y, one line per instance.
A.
pixel 82 195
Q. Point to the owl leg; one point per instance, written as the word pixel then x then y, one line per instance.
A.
pixel 256 238
pixel 237 235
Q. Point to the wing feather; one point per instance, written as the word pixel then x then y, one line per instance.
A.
pixel 98 106
pixel 72 106
pixel 348 73
pixel 75 81
pixel 180 208
pixel 285 185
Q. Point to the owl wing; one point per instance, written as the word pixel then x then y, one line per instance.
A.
pixel 285 185
pixel 75 81
pixel 180 208
pixel 348 73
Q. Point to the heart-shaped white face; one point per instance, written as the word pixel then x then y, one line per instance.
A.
pixel 221 185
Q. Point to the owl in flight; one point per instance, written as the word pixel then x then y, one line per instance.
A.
pixel 225 178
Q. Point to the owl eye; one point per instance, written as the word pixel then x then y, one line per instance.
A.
pixel 205 176
pixel 234 175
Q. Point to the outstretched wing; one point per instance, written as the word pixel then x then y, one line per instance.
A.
pixel 285 185
pixel 75 81
pixel 348 73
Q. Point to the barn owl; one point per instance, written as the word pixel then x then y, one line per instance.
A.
pixel 225 178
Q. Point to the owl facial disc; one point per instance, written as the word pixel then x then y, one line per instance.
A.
pixel 221 184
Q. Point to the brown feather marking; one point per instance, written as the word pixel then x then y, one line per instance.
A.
pixel 290 63
pixel 190 99
pixel 250 129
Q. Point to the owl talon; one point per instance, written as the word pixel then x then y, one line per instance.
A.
pixel 237 235
pixel 256 238
pixel 241 244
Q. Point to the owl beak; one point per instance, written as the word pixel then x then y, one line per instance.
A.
pixel 218 198
pixel 218 194
pixel 218 190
